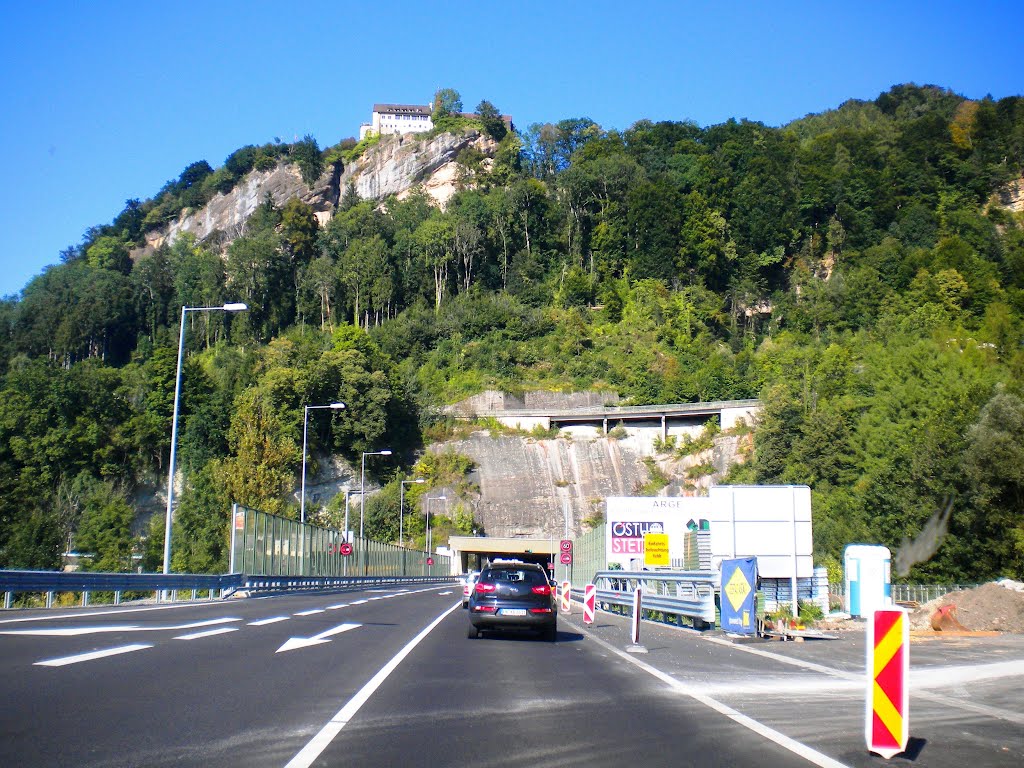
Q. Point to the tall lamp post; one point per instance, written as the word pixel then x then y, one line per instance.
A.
pixel 348 494
pixel 401 516
pixel 428 536
pixel 237 307
pixel 305 421
pixel 362 501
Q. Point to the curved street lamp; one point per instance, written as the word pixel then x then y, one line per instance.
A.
pixel 235 307
pixel 305 418
pixel 401 515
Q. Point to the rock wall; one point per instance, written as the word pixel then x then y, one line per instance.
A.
pixel 392 167
pixel 525 483
pixel 398 163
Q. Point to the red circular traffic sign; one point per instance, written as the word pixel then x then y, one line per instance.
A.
pixel 566 545
pixel 566 558
pixel 345 549
pixel 430 561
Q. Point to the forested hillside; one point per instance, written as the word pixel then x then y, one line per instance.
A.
pixel 861 271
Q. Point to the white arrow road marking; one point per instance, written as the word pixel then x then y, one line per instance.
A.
pixel 311 612
pixel 64 660
pixel 303 642
pixel 207 633
pixel 272 620
pixel 75 631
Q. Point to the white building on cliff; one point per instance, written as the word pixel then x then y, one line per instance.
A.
pixel 397 119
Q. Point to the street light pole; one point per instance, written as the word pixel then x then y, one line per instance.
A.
pixel 236 307
pixel 401 516
pixel 362 500
pixel 428 536
pixel 305 420
pixel 348 493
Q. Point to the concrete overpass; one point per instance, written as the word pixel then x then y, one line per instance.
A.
pixel 672 417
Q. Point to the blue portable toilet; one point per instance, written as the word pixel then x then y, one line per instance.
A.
pixel 867 569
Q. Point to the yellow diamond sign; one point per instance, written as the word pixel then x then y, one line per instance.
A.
pixel 737 589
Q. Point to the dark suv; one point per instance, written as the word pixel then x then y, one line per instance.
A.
pixel 513 596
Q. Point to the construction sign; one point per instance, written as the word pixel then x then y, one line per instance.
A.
pixel 887 721
pixel 739 593
pixel 656 549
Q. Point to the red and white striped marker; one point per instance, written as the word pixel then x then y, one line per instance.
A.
pixel 566 597
pixel 589 603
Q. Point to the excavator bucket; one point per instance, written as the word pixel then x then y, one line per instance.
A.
pixel 944 620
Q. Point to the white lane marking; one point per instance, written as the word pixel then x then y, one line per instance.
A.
pixel 75 631
pixel 784 741
pixel 359 602
pixel 310 612
pixel 336 607
pixel 304 642
pixel 90 614
pixel 70 631
pixel 64 660
pixel 445 593
pixel 320 742
pixel 271 620
pixel 207 633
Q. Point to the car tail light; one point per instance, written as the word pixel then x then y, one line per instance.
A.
pixel 484 589
pixel 485 608
pixel 540 610
pixel 544 589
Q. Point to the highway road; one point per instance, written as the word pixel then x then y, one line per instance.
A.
pixel 388 677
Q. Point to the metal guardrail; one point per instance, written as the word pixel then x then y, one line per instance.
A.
pixel 167 586
pixel 272 584
pixel 53 582
pixel 681 593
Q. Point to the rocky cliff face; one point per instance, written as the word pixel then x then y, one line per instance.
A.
pixel 398 163
pixel 525 484
pixel 392 167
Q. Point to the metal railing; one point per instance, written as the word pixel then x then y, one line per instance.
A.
pixel 689 594
pixel 166 587
pixel 52 583
pixel 923 593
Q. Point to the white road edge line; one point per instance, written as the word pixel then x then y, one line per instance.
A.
pixel 322 740
pixel 64 660
pixel 808 753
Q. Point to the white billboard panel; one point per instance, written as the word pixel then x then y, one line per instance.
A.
pixel 769 522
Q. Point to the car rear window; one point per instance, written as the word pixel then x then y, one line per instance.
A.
pixel 529 576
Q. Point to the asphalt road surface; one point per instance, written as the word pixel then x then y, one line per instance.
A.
pixel 388 678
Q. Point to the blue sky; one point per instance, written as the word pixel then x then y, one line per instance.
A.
pixel 106 101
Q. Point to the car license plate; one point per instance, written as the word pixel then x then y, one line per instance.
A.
pixel 513 612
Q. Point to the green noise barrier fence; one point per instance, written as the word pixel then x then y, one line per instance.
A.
pixel 268 545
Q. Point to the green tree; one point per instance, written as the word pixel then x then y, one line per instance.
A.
pixel 447 103
pixel 994 461
pixel 104 534
pixel 309 159
pixel 489 115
